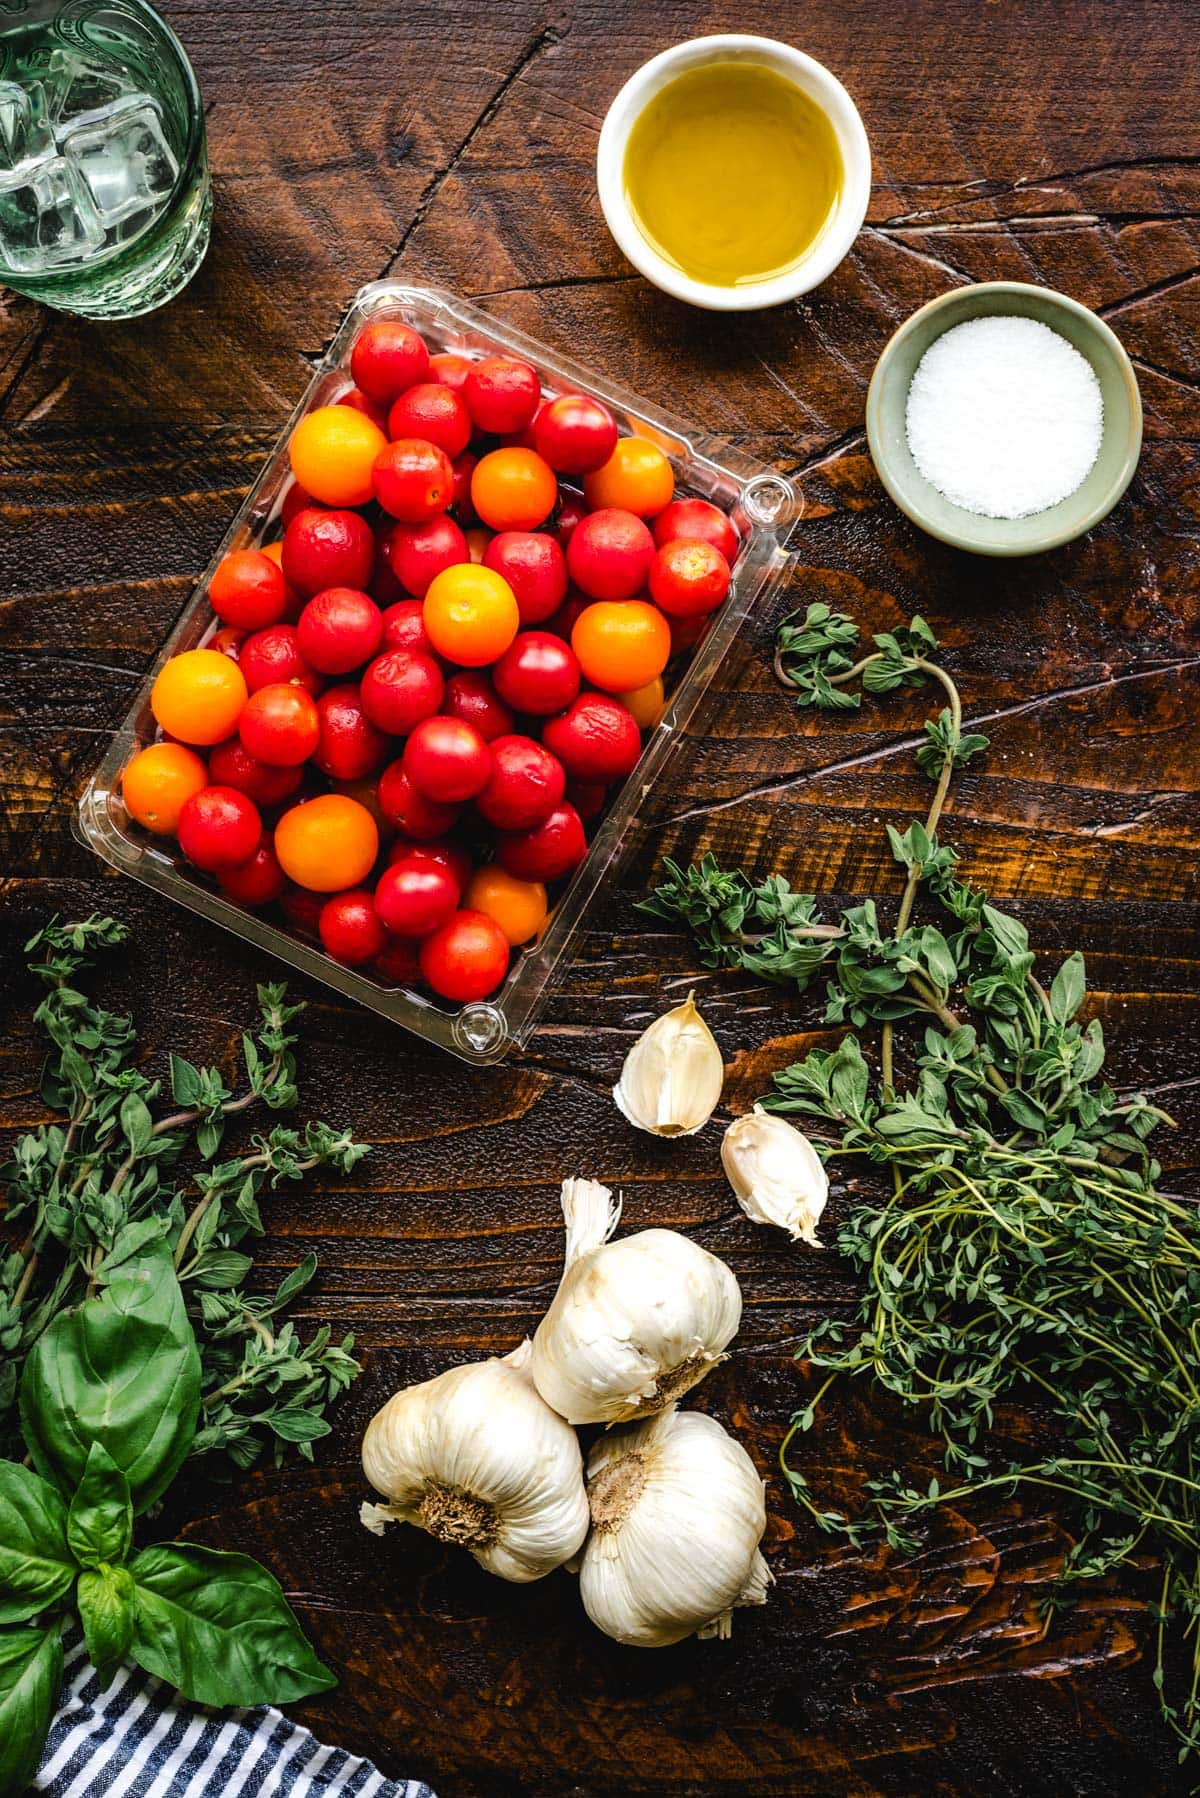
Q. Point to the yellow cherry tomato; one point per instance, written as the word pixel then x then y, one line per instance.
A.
pixel 327 844
pixel 513 489
pixel 646 703
pixel 517 906
pixel 156 783
pixel 471 614
pixel 621 644
pixel 637 477
pixel 198 695
pixel 333 451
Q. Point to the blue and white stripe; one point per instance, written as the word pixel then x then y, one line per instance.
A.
pixel 140 1740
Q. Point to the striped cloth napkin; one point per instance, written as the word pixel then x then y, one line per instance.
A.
pixel 140 1740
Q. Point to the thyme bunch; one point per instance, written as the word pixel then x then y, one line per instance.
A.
pixel 97 1190
pixel 1022 1246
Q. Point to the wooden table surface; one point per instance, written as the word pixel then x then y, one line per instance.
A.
pixel 1052 142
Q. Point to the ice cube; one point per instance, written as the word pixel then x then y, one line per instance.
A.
pixel 75 87
pixel 25 132
pixel 47 218
pixel 123 158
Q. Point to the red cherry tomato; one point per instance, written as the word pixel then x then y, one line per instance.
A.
pixel 351 929
pixel 414 896
pixel 525 784
pixel 327 549
pixel 450 369
pixel 447 760
pixel 565 619
pixel 295 500
pixel 464 467
pixel 502 394
pixel 280 725
pixel 248 590
pixel 302 908
pixel 400 688
pixel 404 628
pixel 697 521
pixel 537 673
pixel 339 630
pixel 397 963
pixel 231 765
pixel 587 798
pixel 688 579
pixel 418 552
pixel 450 856
pixel 218 828
pixel 351 747
pixel 409 810
pixel 570 513
pixel 596 740
pixel 575 434
pixel 687 632
pixel 471 696
pixel 258 881
pixel 357 400
pixel 535 568
pixel 383 586
pixel 227 642
pixel 548 851
pixel 413 480
pixel 434 413
pixel 387 357
pixel 272 656
pixel 610 553
pixel 467 958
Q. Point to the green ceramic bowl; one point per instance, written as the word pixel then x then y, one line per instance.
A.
pixel 887 399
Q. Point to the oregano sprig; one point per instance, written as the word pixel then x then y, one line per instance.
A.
pixel 1024 1245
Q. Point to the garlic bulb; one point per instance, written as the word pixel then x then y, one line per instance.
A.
pixel 672 1078
pixel 634 1323
pixel 776 1173
pixel 476 1457
pixel 678 1512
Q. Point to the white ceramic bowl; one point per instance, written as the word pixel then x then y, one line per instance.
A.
pixel 820 86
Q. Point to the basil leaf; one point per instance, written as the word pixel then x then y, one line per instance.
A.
pixel 100 1520
pixel 35 1561
pixel 106 1609
pixel 121 1369
pixel 31 1666
pixel 218 1628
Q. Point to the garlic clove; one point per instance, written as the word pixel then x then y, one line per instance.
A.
pixel 776 1174
pixel 671 1082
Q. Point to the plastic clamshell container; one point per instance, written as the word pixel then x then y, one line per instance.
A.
pixel 764 508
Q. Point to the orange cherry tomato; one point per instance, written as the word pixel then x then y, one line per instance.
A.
pixel 646 703
pixel 471 614
pixel 514 489
pixel 198 695
pixel 156 783
pixel 621 644
pixel 328 843
pixel 274 553
pixel 637 477
pixel 333 451
pixel 518 906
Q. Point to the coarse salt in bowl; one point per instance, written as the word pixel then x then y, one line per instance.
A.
pixel 1062 464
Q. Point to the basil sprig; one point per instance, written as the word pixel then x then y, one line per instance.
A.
pixel 109 1402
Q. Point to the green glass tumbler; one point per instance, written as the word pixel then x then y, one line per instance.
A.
pixel 105 201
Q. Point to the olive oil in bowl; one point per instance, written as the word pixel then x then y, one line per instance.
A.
pixel 732 174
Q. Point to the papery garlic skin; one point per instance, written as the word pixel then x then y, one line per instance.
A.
pixel 634 1324
pixel 776 1174
pixel 476 1457
pixel 678 1512
pixel 672 1078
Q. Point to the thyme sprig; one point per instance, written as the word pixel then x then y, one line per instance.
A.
pixel 96 1190
pixel 1024 1248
